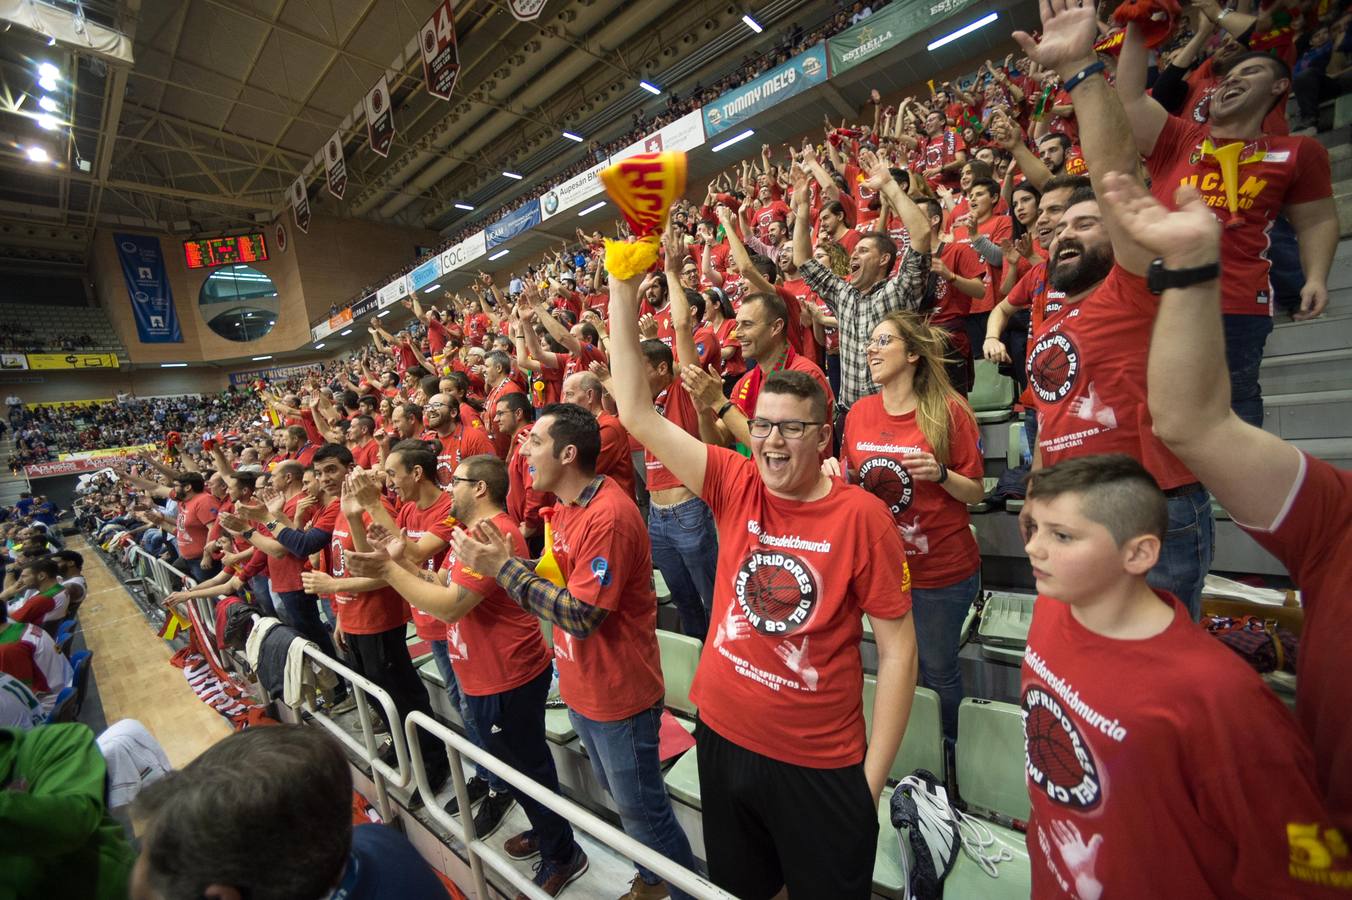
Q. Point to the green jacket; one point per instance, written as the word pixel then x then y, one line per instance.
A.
pixel 58 839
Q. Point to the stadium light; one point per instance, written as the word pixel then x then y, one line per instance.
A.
pixel 48 70
pixel 752 23
pixel 963 31
pixel 499 255
pixel 47 103
pixel 47 84
pixel 514 176
pixel 732 140
pixel 383 313
pixel 431 287
pixel 573 137
pixel 465 206
pixel 593 208
pixel 173 365
pixel 650 87
pixel 319 346
pixel 37 154
pixel 345 332
pixel 261 358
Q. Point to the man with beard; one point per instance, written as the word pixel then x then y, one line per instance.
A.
pixel 1087 364
pixel 1269 176
pixel 455 439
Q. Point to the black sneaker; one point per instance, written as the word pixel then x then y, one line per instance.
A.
pixel 478 789
pixel 552 878
pixel 491 813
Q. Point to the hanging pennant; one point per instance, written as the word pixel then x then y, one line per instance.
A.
pixel 335 166
pixel 380 117
pixel 300 204
pixel 525 10
pixel 441 55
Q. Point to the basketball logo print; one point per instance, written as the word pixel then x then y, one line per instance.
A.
pixel 1058 760
pixel 888 480
pixel 776 591
pixel 1053 367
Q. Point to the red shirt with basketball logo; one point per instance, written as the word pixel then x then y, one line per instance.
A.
pixel 951 305
pixel 675 405
pixel 462 443
pixel 1198 769
pixel 435 519
pixel 366 612
pixel 195 517
pixel 942 150
pixel 1274 172
pixel 933 524
pixel 1086 368
pixel 603 552
pixel 780 674
pixel 1312 536
pixel 496 646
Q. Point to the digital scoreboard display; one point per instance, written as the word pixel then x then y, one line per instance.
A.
pixel 243 248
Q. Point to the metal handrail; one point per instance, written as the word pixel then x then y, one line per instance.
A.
pixel 480 852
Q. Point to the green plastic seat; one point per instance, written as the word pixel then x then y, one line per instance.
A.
pixel 1014 876
pixel 990 758
pixel 430 672
pixel 682 779
pixel 922 747
pixel 660 588
pixel 558 727
pixel 1013 456
pixel 992 395
pixel 680 658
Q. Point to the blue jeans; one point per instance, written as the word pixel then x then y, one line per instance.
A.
pixel 301 611
pixel 460 702
pixel 516 721
pixel 938 614
pixel 262 594
pixel 1185 556
pixel 1245 337
pixel 624 759
pixel 685 551
pixel 1285 271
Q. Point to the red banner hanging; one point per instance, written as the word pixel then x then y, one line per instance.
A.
pixel 380 117
pixel 335 166
pixel 300 204
pixel 440 53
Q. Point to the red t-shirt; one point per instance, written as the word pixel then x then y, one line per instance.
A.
pixel 727 337
pixel 524 502
pixel 746 391
pixel 933 524
pixel 615 460
pixel 1274 172
pixel 572 363
pixel 497 646
pixel 794 292
pixel 1312 536
pixel 675 404
pixel 761 218
pixel 942 150
pixel 861 195
pixel 435 519
pixel 1034 290
pixel 780 674
pixel 499 440
pixel 306 420
pixel 465 441
pixel 997 228
pixel 196 515
pixel 603 552
pixel 285 572
pixel 368 612
pixel 436 336
pixel 950 304
pixel 1136 789
pixel 1087 372
pixel 367 455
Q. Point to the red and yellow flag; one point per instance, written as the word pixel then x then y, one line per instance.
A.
pixel 643 187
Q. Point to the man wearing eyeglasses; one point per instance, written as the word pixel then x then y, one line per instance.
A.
pixel 786 773
pixel 441 415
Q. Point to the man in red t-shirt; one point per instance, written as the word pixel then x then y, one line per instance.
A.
pixel 454 437
pixel 605 625
pixel 615 460
pixel 498 383
pixel 197 512
pixel 361 440
pixel 1116 777
pixel 943 152
pixel 1269 176
pixel 958 279
pixel 985 231
pixel 1296 506
pixel 514 416
pixel 783 762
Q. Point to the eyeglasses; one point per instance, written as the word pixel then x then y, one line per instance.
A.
pixel 459 480
pixel 881 341
pixel 437 406
pixel 789 429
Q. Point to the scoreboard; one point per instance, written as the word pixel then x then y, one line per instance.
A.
pixel 244 248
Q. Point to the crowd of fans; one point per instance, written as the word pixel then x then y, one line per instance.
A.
pixel 774 415
pixel 23 339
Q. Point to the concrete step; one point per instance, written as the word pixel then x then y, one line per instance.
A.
pixel 1331 331
pixel 1309 415
pixel 1319 370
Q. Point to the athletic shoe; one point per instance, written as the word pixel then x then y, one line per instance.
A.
pixel 552 878
pixel 641 890
pixel 346 705
pixel 523 846
pixel 478 789
pixel 491 813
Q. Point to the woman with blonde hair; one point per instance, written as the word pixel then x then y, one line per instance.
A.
pixel 915 444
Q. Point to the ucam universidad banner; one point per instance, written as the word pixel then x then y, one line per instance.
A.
pixel 512 224
pixel 152 302
pixel 806 70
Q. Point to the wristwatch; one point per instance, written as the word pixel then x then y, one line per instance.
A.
pixel 246 534
pixel 723 410
pixel 272 526
pixel 943 474
pixel 1159 279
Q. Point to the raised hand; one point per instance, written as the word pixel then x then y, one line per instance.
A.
pixel 252 509
pixel 1068 34
pixel 878 177
pixel 1191 234
pixel 364 486
pixel 647 326
pixel 704 388
pixel 392 544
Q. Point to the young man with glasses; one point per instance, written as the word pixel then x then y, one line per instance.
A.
pixel 456 439
pixel 789 783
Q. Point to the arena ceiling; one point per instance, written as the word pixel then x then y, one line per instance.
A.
pixel 225 102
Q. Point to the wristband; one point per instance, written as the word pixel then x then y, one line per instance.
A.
pixel 723 410
pixel 943 473
pixel 272 526
pixel 1088 71
pixel 247 534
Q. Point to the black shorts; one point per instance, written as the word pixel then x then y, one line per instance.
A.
pixel 770 824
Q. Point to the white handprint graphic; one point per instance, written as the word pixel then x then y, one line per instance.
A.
pixel 797 660
pixel 1090 408
pixel 1079 858
pixel 734 627
pixel 455 644
pixel 912 535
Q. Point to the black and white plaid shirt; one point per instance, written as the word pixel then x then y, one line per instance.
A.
pixel 860 313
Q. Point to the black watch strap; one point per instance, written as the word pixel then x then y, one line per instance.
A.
pixel 1160 279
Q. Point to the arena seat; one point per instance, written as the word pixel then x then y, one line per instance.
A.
pixel 680 658
pixel 80 667
pixel 992 395
pixel 660 588
pixel 65 635
pixel 63 710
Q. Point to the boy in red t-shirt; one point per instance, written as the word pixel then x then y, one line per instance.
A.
pixel 1118 777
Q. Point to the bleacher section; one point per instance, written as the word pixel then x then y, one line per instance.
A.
pixel 51 325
